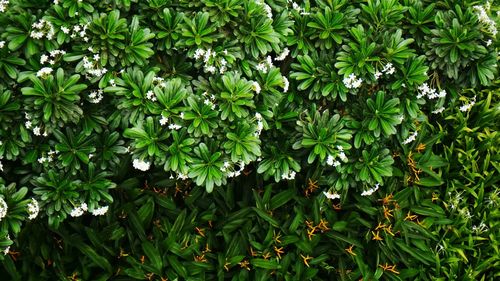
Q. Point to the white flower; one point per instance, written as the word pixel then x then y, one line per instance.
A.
pixel 44 72
pixel 442 94
pixel 352 82
pixel 261 67
pixel 468 106
pixel 100 211
pixel 3 5
pixel 283 55
pixel 84 206
pixel 370 191
pixel 182 176
pixel 150 95
pixel 411 138
pixel 210 69
pixel 174 127
pixel 199 53
pixel 44 59
pixel 163 120
pixel 96 96
pixel 439 110
pixel 37 131
pixel 329 160
pixel 141 165
pixel 488 43
pixel 342 156
pixel 1 166
pixel 331 196
pixel 33 209
pixel 289 176
pixel 377 75
pixel 389 69
pixel 269 11
pixel 2 44
pixel 286 84
pixel 28 124
pixel 3 208
pixel 76 212
pixel 65 30
pixel 256 87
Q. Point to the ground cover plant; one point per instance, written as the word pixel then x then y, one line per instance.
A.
pixel 249 140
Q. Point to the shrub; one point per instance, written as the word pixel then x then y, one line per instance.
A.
pixel 249 140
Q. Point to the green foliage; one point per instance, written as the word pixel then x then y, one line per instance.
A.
pixel 55 97
pixel 249 140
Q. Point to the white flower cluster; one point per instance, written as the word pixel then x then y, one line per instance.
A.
pixel 96 96
pixel 159 82
pixel 92 66
pixel 388 69
pixel 469 105
pixel 299 9
pixel 3 5
pixel 267 8
pixel 3 208
pixel 2 44
pixel 141 165
pixel 256 87
pixel 480 229
pixel 37 131
pixel 370 191
pixel 78 211
pixel 411 138
pixel 230 169
pixel 41 29
pixel 150 95
pixel 430 93
pixel 33 209
pixel 438 110
pixel 266 65
pixel 100 211
pixel 49 158
pixel 260 124
pixel 209 100
pixel 331 195
pixel 352 82
pixel 286 84
pixel 331 160
pixel 483 17
pixel 55 54
pixel 163 120
pixel 289 176
pixel 283 55
pixel 174 126
pixel 212 60
pixel 44 72
pixel 78 30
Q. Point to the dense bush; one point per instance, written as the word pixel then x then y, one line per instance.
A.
pixel 249 140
